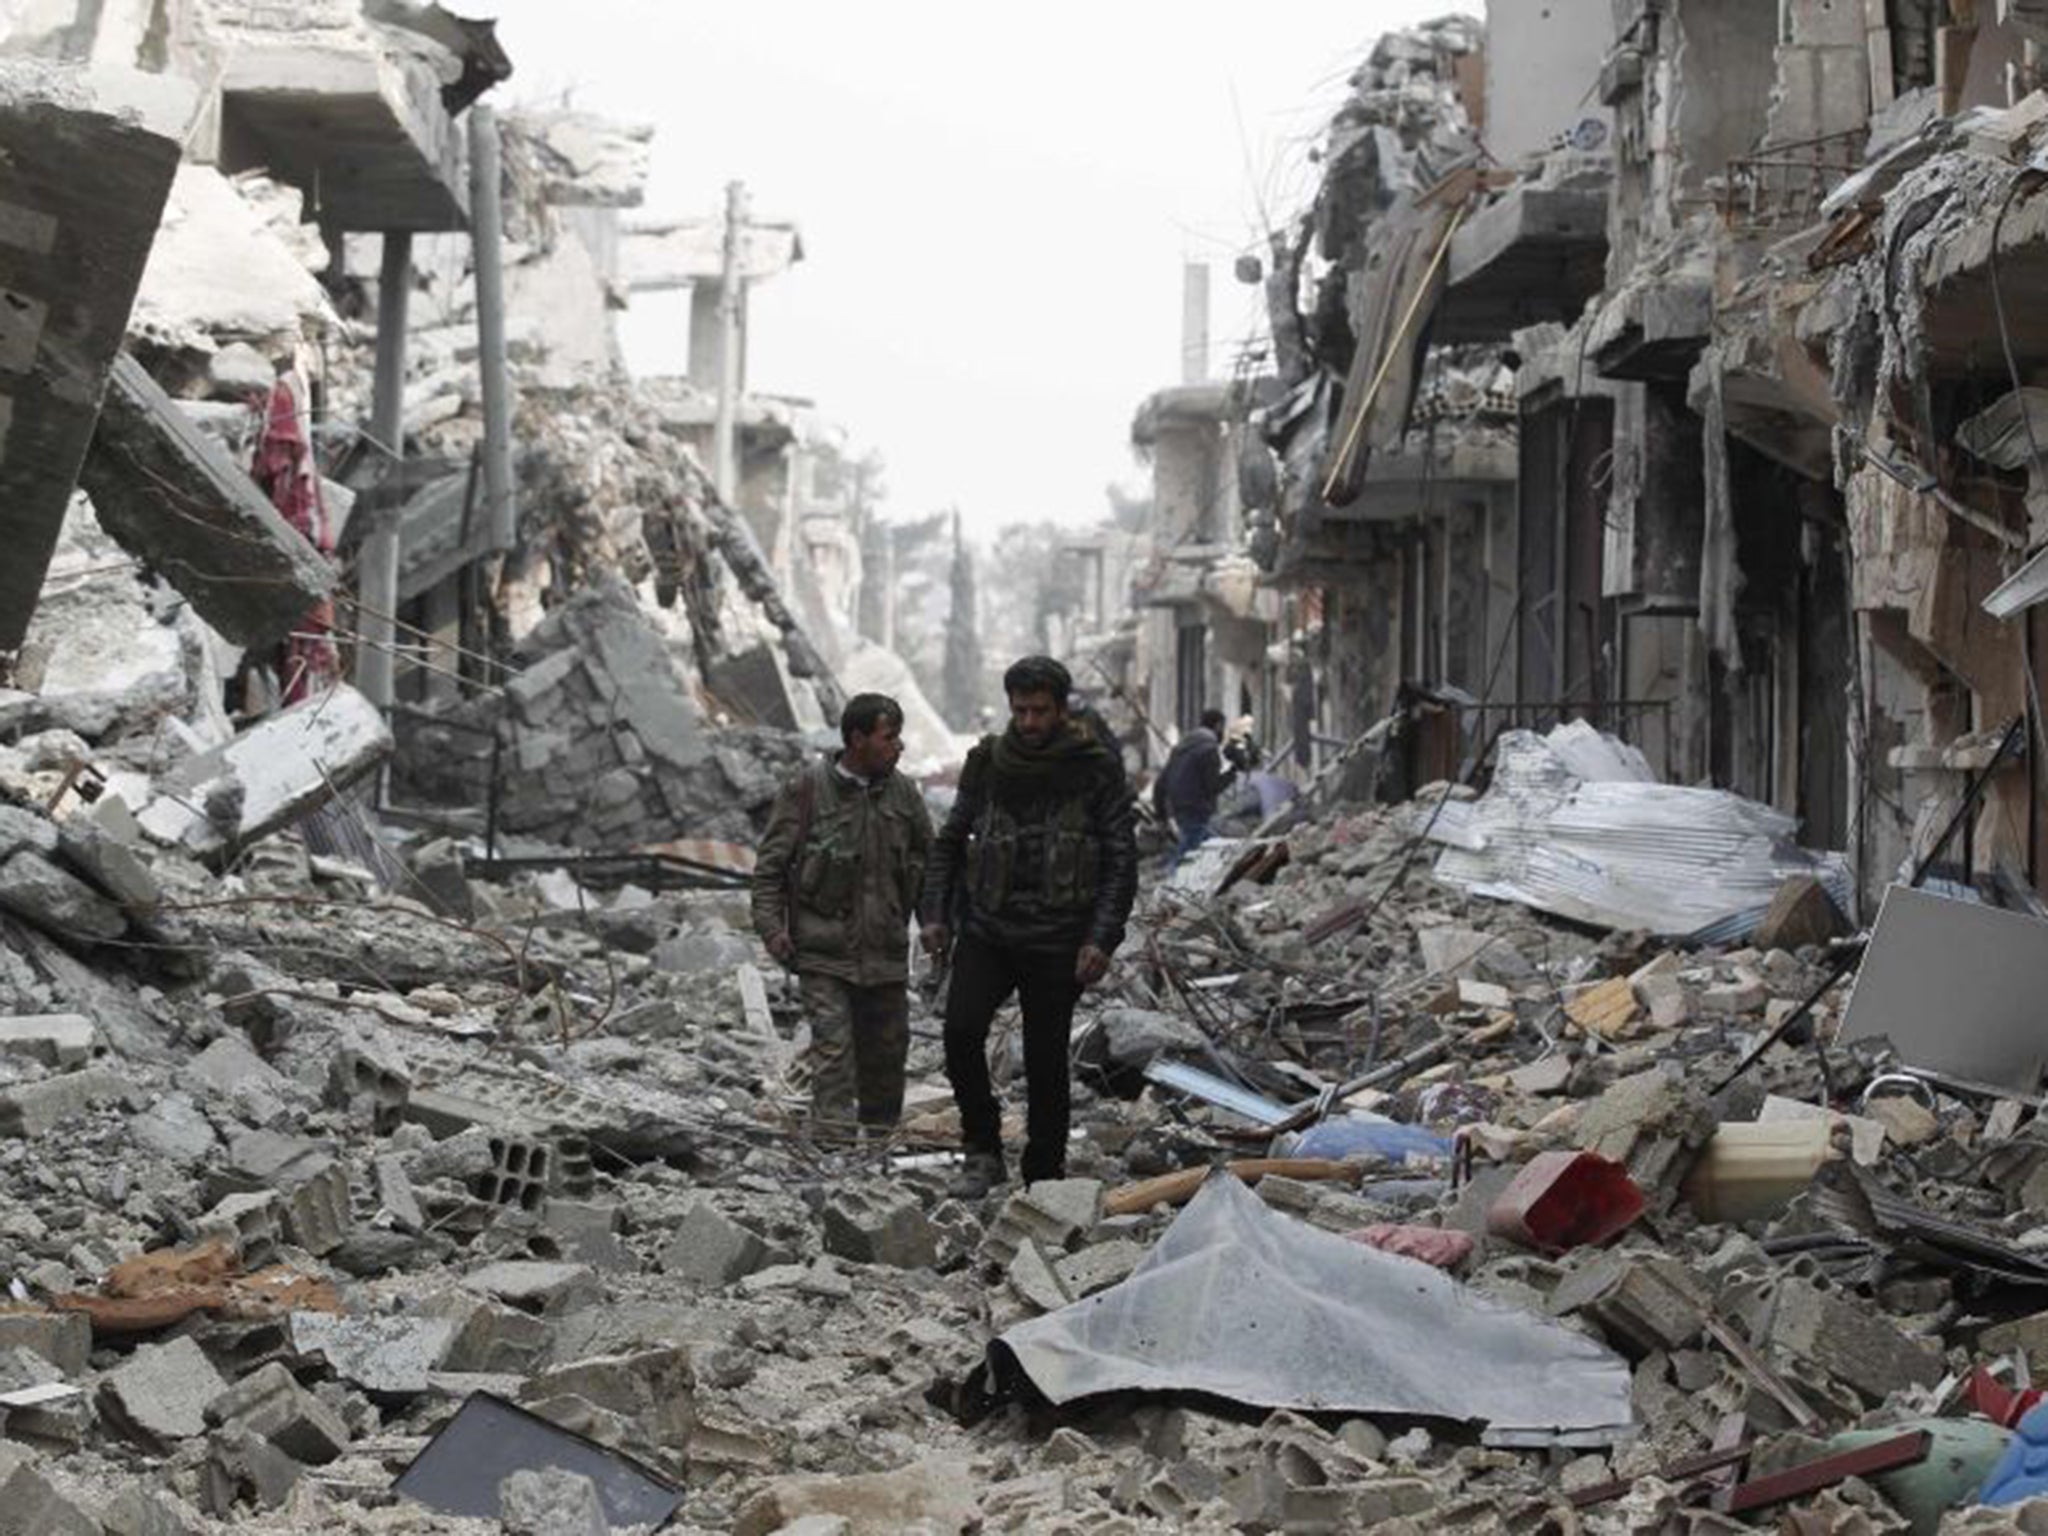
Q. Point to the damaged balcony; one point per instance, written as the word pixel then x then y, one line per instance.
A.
pixel 368 134
pixel 1537 252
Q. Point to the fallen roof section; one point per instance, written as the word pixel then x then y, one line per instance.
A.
pixel 173 498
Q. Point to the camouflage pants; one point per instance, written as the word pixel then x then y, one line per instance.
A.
pixel 860 1037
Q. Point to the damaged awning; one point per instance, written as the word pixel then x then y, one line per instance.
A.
pixel 1241 1302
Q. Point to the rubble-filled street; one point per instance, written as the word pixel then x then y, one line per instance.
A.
pixel 580 953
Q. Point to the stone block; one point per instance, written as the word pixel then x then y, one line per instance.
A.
pixel 62 1338
pixel 60 903
pixel 1643 1302
pixel 1053 1212
pixel 880 1226
pixel 395 1194
pixel 159 1394
pixel 230 1070
pixel 1801 914
pixel 30 1505
pixel 357 1074
pixel 711 1249
pixel 54 1039
pixel 536 1287
pixel 36 1109
pixel 271 1403
pixel 387 1356
pixel 242 1468
pixel 317 1214
pixel 1099 1267
pixel 139 1511
pixel 1849 1340
pixel 550 1502
pixel 252 1224
pixel 22 828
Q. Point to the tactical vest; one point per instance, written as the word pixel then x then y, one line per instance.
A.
pixel 828 862
pixel 1066 851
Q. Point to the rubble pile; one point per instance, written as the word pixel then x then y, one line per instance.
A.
pixel 308 1191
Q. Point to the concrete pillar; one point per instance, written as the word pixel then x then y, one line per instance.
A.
pixel 487 237
pixel 377 571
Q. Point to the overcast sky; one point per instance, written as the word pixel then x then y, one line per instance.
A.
pixel 995 202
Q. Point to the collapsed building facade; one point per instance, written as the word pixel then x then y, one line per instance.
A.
pixel 1637 382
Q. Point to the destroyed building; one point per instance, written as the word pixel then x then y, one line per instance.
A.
pixel 1635 1127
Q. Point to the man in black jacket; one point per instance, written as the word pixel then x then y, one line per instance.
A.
pixel 1191 783
pixel 1038 865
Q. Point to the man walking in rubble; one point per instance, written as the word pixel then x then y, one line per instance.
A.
pixel 835 890
pixel 1190 785
pixel 1038 867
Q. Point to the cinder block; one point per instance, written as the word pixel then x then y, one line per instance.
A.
pixel 519 1173
pixel 317 1212
pixel 271 1403
pixel 252 1223
pixel 880 1226
pixel 37 1109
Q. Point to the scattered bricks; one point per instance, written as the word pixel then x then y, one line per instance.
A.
pixel 37 1109
pixel 54 1039
pixel 1801 914
pixel 1848 1340
pixel 1052 1211
pixel 1098 1268
pixel 395 1194
pixel 317 1214
pixel 546 1290
pixel 551 1503
pixel 252 1224
pixel 242 1468
pixel 271 1403
pixel 518 1175
pixel 160 1393
pixel 378 1083
pixel 31 1506
pixel 1607 1009
pixel 1667 999
pixel 881 1226
pixel 1907 1122
pixel 62 1338
pixel 385 1356
pixel 1643 1302
pixel 573 1172
pixel 711 1249
pixel 34 889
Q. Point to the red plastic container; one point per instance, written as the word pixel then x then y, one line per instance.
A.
pixel 1564 1200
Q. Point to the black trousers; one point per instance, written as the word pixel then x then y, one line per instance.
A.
pixel 984 976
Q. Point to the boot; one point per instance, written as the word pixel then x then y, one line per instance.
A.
pixel 982 1172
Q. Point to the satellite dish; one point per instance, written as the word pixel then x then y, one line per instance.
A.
pixel 1588 134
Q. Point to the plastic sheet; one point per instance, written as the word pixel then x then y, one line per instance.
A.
pixel 1575 824
pixel 1244 1303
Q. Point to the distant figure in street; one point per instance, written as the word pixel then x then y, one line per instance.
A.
pixel 1188 787
pixel 1039 863
pixel 835 890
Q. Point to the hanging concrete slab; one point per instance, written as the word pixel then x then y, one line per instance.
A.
pixel 86 162
pixel 1956 987
pixel 173 498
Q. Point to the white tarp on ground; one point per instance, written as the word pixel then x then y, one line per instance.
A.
pixel 1576 824
pixel 1243 1302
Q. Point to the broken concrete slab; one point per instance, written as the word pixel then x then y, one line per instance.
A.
pixel 385 1356
pixel 38 1108
pixel 62 1338
pixel 54 1039
pixel 551 1502
pixel 535 1286
pixel 710 1248
pixel 75 250
pixel 31 1505
pixel 271 1403
pixel 879 1226
pixel 939 1494
pixel 214 805
pixel 57 901
pixel 172 497
pixel 159 1394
